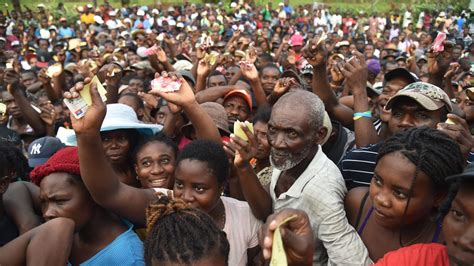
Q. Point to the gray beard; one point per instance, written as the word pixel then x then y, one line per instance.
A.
pixel 292 159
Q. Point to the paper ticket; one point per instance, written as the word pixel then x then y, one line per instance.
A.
pixel 78 106
pixel 278 250
pixel 85 92
pixel 239 132
pixel 53 70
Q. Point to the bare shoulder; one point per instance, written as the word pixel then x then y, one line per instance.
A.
pixel 352 203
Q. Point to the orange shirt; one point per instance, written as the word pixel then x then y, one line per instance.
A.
pixel 415 255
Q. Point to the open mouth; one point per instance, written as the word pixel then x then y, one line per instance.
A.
pixel 162 182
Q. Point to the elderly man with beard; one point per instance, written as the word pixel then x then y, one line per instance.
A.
pixel 304 178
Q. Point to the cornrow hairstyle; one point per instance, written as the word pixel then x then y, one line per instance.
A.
pixel 159 137
pixel 180 234
pixel 12 161
pixel 210 153
pixel 432 151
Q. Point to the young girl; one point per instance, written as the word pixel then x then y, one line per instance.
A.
pixel 120 132
pixel 181 235
pixel 155 161
pixel 200 175
pixel 408 186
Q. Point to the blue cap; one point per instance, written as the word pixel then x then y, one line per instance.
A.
pixel 42 149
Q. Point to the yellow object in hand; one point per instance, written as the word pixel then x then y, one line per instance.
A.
pixel 239 132
pixel 85 92
pixel 278 250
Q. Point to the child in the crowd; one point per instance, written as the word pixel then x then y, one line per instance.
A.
pixel 409 184
pixel 180 234
pixel 200 176
pixel 155 161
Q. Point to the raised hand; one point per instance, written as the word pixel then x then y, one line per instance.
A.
pixel 183 97
pixel 91 122
pixel 283 85
pixel 249 70
pixel 11 80
pixel 316 53
pixel 204 68
pixel 458 130
pixel 241 150
pixel 48 114
pixel 355 71
pixel 336 73
pixel 42 77
pixel 110 73
pixel 150 100
pixel 438 63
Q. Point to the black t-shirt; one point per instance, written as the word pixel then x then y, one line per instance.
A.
pixel 8 230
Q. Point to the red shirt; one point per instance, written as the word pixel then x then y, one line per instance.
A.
pixel 415 255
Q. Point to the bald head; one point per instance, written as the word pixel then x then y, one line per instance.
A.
pixel 305 103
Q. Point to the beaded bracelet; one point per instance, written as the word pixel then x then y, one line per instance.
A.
pixel 359 115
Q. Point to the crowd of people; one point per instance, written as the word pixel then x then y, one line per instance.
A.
pixel 201 134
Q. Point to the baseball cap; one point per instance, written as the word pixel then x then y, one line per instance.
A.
pixel 307 70
pixel 467 174
pixel 427 95
pixel 9 135
pixel 188 76
pixel 296 40
pixel 400 72
pixel 217 113
pixel 42 149
pixel 240 93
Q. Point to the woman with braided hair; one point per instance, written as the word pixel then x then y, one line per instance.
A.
pixel 181 235
pixel 200 175
pixel 400 207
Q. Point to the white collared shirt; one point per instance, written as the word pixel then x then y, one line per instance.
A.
pixel 320 192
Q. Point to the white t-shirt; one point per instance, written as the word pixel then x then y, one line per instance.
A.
pixel 241 228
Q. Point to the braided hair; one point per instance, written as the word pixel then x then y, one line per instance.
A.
pixel 181 234
pixel 13 161
pixel 433 152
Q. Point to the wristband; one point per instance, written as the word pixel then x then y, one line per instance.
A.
pixel 359 115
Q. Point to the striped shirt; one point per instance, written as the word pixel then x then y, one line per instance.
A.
pixel 357 167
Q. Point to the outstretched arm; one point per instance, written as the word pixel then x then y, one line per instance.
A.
pixel 21 202
pixel 18 92
pixel 355 71
pixel 48 244
pixel 317 55
pixel 258 198
pixel 97 174
pixel 203 124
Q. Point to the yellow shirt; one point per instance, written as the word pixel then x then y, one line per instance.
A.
pixel 88 19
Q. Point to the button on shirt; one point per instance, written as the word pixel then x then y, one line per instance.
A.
pixel 320 192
